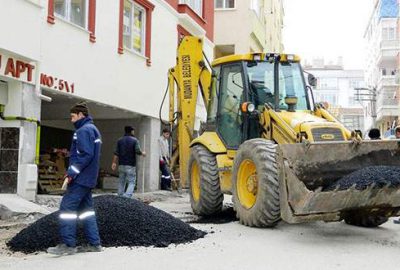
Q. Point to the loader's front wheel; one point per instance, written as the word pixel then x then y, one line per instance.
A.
pixel 365 220
pixel 255 184
pixel 205 193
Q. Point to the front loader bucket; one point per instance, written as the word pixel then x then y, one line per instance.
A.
pixel 308 169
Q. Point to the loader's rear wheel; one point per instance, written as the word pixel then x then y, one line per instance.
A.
pixel 255 184
pixel 364 220
pixel 205 193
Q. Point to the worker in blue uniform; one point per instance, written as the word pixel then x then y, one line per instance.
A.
pixel 77 203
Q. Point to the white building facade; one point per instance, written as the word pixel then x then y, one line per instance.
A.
pixel 336 85
pixel 382 63
pixel 112 54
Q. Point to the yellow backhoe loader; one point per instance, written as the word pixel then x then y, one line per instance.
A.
pixel 268 144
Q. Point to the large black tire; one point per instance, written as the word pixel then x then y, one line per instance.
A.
pixel 206 197
pixel 365 220
pixel 265 211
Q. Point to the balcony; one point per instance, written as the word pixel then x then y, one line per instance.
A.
pixel 390 44
pixel 388 51
pixel 387 102
pixel 388 81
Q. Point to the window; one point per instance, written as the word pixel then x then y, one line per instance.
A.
pixel 134 26
pixel 353 122
pixel 78 12
pixel 74 11
pixel 224 4
pixel 352 101
pixel 328 83
pixel 195 5
pixel 354 83
pixel 213 104
pixel 230 97
pixel 388 33
pixel 331 98
pixel 291 84
pixel 261 81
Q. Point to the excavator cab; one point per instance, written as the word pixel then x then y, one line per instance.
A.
pixel 270 82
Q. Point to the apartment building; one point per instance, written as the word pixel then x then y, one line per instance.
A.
pixel 382 63
pixel 112 54
pixel 248 26
pixel 336 86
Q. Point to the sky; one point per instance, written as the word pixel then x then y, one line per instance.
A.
pixel 327 28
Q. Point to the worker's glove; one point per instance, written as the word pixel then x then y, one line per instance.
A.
pixel 68 178
pixel 67 181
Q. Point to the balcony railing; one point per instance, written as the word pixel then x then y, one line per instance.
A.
pixel 388 81
pixel 387 98
pixel 390 44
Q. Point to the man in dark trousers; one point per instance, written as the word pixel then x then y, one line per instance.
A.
pixel 163 146
pixel 82 173
pixel 125 154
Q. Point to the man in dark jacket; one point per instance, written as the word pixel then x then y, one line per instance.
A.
pixel 82 173
pixel 125 154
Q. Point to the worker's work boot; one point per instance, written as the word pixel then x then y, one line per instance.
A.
pixel 62 249
pixel 90 248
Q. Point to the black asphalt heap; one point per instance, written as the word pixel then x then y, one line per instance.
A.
pixel 380 176
pixel 121 221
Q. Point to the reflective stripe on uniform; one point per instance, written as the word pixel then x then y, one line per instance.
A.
pixel 68 216
pixel 163 176
pixel 86 214
pixel 75 169
pixel 97 141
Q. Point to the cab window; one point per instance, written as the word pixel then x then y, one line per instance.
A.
pixel 231 96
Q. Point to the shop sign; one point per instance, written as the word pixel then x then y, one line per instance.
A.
pixel 23 71
pixel 17 69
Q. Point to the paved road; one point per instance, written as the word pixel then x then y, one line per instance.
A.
pixel 233 246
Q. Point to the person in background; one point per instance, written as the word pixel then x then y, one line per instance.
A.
pixel 374 134
pixel 387 133
pixel 81 177
pixel 396 136
pixel 125 155
pixel 163 146
pixel 397 132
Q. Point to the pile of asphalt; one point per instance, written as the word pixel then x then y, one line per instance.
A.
pixel 379 176
pixel 121 222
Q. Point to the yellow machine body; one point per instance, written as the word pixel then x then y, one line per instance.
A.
pixel 308 148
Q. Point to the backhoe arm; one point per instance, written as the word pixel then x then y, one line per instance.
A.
pixel 189 77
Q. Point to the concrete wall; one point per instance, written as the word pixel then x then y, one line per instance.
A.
pixel 250 31
pixel 233 26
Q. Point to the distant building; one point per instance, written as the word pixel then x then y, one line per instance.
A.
pixel 248 26
pixel 336 86
pixel 383 62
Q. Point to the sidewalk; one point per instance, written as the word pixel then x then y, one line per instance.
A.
pixel 13 206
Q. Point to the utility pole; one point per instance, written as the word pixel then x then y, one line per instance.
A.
pixel 367 94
